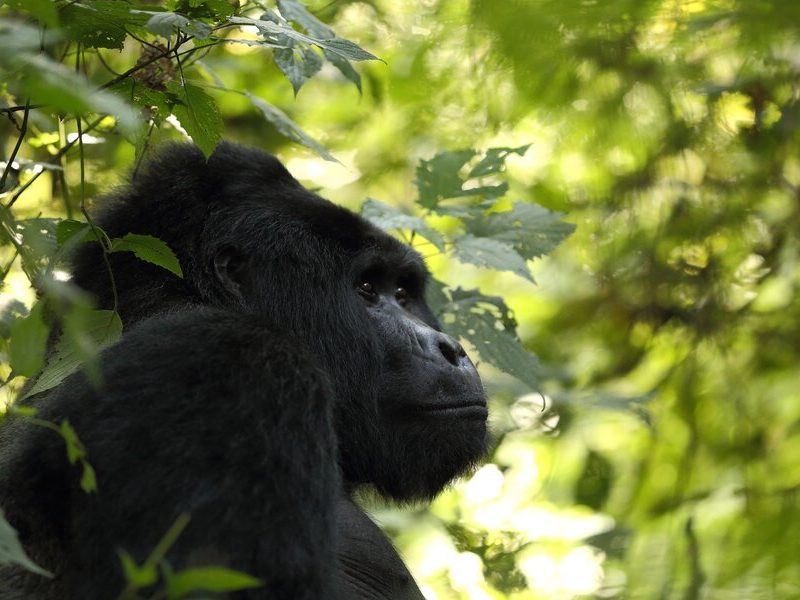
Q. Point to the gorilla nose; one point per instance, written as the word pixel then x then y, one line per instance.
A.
pixel 450 349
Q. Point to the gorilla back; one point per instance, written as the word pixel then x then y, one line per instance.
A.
pixel 294 362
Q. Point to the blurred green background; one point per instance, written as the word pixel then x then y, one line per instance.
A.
pixel 660 456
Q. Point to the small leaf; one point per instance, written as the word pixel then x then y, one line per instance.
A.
pixel 11 551
pixel 490 253
pixel 150 249
pixel 166 24
pixel 345 49
pixel 75 448
pixel 28 343
pixel 138 577
pixel 387 217
pixel 88 478
pixel 199 115
pixel 209 579
pixel 287 127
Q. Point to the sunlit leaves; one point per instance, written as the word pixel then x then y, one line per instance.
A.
pixel 388 218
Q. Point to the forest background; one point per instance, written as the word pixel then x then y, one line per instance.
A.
pixel 648 441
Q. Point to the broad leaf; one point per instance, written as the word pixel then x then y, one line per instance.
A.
pixel 99 23
pixel 490 253
pixel 11 551
pixel 439 178
pixel 199 115
pixel 495 160
pixel 387 217
pixel 297 13
pixel 150 249
pixel 288 128
pixel 488 324
pixel 529 228
pixel 42 10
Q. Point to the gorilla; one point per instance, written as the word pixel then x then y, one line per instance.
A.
pixel 294 363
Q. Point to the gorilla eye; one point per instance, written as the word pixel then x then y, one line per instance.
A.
pixel 366 289
pixel 401 295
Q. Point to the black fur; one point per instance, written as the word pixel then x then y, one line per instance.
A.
pixel 254 394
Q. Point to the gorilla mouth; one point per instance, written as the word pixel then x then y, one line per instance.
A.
pixel 466 410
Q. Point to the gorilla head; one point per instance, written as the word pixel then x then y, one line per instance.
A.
pixel 410 411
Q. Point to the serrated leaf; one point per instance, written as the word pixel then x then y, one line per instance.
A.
pixel 288 128
pixel 345 49
pixel 345 68
pixel 209 579
pixel 199 115
pixel 490 253
pixel 150 249
pixel 28 343
pixel 488 324
pixel 99 23
pixel 530 229
pixel 297 13
pixel 166 24
pixel 495 160
pixel 439 178
pixel 388 218
pixel 11 551
pixel 82 339
pixel 298 64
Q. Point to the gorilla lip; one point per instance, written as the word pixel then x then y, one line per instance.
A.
pixel 471 409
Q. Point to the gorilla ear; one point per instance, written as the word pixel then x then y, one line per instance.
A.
pixel 230 268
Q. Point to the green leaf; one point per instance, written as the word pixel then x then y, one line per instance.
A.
pixel 489 325
pixel 166 23
pixel 150 249
pixel 297 13
pixel 99 23
pixel 298 64
pixel 388 218
pixel 495 160
pixel 345 49
pixel 86 333
pixel 345 68
pixel 199 115
pixel 42 10
pixel 51 83
pixel 138 577
pixel 439 178
pixel 209 579
pixel 11 551
pixel 75 448
pixel 287 127
pixel 529 228
pixel 490 253
pixel 28 343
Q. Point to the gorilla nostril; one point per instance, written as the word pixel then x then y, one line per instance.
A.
pixel 451 350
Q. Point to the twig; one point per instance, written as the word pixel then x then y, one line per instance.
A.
pixel 22 131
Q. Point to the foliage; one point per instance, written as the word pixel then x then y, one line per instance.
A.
pixel 659 456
